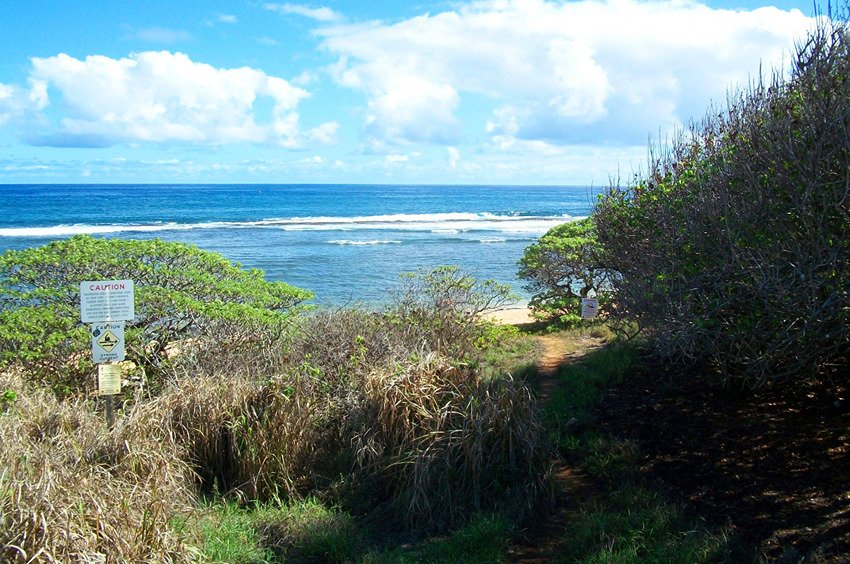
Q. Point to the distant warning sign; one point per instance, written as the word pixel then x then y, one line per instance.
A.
pixel 106 300
pixel 108 379
pixel 589 308
pixel 107 342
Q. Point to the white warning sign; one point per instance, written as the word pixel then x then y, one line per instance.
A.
pixel 589 308
pixel 106 300
pixel 107 342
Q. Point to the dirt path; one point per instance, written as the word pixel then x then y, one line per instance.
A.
pixel 556 353
pixel 571 490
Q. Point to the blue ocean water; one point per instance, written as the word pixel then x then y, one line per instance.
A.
pixel 344 242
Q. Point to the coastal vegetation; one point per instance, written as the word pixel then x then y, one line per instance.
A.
pixel 402 412
pixel 183 293
pixel 255 428
pixel 734 247
pixel 562 267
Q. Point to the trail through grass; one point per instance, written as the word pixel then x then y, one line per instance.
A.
pixel 605 512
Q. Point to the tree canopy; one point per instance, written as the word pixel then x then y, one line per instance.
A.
pixel 561 268
pixel 179 290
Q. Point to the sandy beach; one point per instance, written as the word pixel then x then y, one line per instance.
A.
pixel 511 316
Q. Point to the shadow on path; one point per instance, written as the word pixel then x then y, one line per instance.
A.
pixel 572 491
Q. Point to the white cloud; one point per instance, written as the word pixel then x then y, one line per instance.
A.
pixel 323 14
pixel 17 103
pixel 454 157
pixel 413 110
pixel 6 97
pixel 228 19
pixel 167 97
pixel 585 72
pixel 266 40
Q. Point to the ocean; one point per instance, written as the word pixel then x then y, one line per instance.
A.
pixel 345 243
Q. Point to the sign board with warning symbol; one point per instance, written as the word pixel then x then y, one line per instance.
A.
pixel 107 341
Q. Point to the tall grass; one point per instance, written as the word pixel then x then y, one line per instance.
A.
pixel 71 491
pixel 370 410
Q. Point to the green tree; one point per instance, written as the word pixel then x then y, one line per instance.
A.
pixel 180 291
pixel 561 268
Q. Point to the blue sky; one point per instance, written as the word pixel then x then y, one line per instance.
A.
pixel 482 92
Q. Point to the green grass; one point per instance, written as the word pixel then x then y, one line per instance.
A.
pixel 581 388
pixel 303 532
pixel 484 539
pixel 506 349
pixel 626 521
pixel 310 532
pixel 636 525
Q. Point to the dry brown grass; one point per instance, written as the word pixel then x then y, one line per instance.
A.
pixel 71 491
pixel 367 410
pixel 447 443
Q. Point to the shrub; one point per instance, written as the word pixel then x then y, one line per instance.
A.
pixel 561 268
pixel 445 444
pixel 179 291
pixel 735 247
pixel 362 410
pixel 442 308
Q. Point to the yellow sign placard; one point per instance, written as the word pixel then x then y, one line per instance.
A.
pixel 108 379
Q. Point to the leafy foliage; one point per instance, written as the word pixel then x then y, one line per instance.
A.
pixel 735 247
pixel 443 307
pixel 561 268
pixel 180 289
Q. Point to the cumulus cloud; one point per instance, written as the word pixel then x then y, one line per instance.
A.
pixel 18 103
pixel 454 157
pixel 167 97
pixel 323 14
pixel 585 72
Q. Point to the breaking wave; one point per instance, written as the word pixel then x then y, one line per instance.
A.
pixel 440 223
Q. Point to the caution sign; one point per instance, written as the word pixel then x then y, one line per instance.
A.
pixel 106 300
pixel 107 342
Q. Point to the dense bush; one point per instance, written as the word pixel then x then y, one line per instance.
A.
pixel 431 440
pixel 561 268
pixel 388 407
pixel 180 290
pixel 735 247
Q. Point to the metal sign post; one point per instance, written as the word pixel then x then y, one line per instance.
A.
pixel 107 304
pixel 108 385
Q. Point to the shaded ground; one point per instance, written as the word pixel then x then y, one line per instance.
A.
pixel 544 532
pixel 773 464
